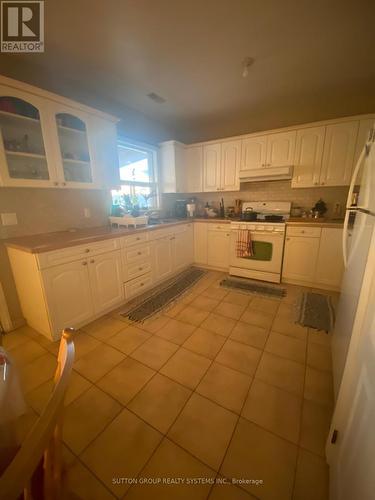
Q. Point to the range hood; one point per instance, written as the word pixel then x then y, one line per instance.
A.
pixel 266 174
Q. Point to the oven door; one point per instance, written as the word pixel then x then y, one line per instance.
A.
pixel 267 252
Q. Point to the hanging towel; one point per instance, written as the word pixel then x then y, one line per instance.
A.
pixel 244 245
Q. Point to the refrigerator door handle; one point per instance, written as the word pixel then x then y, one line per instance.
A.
pixel 364 153
pixel 345 237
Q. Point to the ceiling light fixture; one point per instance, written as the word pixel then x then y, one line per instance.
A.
pixel 156 98
pixel 246 63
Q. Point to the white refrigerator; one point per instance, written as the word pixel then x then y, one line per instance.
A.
pixel 358 229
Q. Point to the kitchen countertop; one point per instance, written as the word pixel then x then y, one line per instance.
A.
pixel 45 242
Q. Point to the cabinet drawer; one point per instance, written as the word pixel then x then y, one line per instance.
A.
pixel 70 254
pixel 218 227
pixel 137 286
pixel 140 252
pixel 135 239
pixel 308 231
pixel 162 233
pixel 139 269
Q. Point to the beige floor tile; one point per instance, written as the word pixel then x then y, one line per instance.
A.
pixel 286 311
pixel 126 380
pixel 86 417
pixel 24 424
pixel 286 327
pixel 38 398
pixel 257 318
pixel 103 328
pixel 170 462
pixel 282 373
pixel 274 409
pixel 122 450
pixel 319 337
pixel 319 386
pixel 311 481
pixel 286 347
pixel 233 311
pixel 155 352
pixel 241 299
pixel 186 367
pixel 293 292
pixel 26 352
pixel 257 454
pixel 175 309
pixel 128 339
pixel 176 331
pixel 204 429
pixel 269 306
pixel 319 357
pixel 96 363
pixel 205 343
pixel 218 324
pixel 14 339
pixel 316 420
pixel 225 386
pixel 83 344
pixel 37 372
pixel 192 315
pixel 159 402
pixel 188 297
pixel 154 324
pixel 229 492
pixel 215 292
pixel 80 483
pixel 239 357
pixel 206 303
pixel 249 334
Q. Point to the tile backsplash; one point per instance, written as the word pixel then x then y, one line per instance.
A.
pixel 270 191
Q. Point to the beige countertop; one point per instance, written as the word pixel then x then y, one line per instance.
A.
pixel 45 242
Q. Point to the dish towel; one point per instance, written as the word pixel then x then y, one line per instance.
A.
pixel 244 245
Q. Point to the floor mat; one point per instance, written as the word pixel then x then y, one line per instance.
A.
pixel 252 286
pixel 148 305
pixel 315 310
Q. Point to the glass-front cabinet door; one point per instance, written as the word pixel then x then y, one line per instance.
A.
pixel 24 151
pixel 75 155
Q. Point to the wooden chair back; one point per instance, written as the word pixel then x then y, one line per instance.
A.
pixel 44 439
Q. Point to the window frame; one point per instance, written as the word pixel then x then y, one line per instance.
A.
pixel 153 152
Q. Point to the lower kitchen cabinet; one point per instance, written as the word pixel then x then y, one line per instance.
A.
pixel 300 255
pixel 162 262
pixel 330 264
pixel 183 248
pixel 218 246
pixel 200 243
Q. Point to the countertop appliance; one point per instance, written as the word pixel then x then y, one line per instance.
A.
pixel 359 225
pixel 267 239
pixel 180 209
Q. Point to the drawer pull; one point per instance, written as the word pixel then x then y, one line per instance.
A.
pixel 139 253
pixel 84 263
pixel 87 250
pixel 142 284
pixel 140 269
pixel 303 231
pixel 138 238
pixel 92 261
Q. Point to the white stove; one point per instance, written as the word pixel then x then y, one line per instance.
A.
pixel 266 239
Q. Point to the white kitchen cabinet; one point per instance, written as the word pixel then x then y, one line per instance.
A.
pixel 330 266
pixel 172 167
pixel 106 282
pixel 104 152
pixel 363 133
pixel 338 154
pixel 308 157
pixel 200 243
pixel 280 149
pixel 183 248
pixel 230 166
pixel 194 169
pixel 254 152
pixel 162 262
pixel 68 295
pixel 211 167
pixel 218 246
pixel 300 257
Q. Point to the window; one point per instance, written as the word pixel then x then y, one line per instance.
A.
pixel 138 188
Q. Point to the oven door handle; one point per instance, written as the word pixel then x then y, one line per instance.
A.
pixel 262 233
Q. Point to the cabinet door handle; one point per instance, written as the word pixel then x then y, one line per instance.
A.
pixel 92 261
pixel 140 268
pixel 63 183
pixel 84 263
pixel 288 239
pixel 139 253
pixel 87 250
pixel 323 183
pixel 138 238
pixel 55 183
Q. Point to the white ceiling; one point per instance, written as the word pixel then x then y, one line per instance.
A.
pixel 313 60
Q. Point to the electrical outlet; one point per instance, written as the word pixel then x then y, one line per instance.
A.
pixel 87 213
pixel 9 219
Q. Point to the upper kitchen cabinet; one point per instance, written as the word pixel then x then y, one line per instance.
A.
pixel 194 169
pixel 49 141
pixel 363 134
pixel 25 142
pixel 211 167
pixel 75 155
pixel 338 154
pixel 280 149
pixel 172 167
pixel 254 151
pixel 230 166
pixel 308 157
